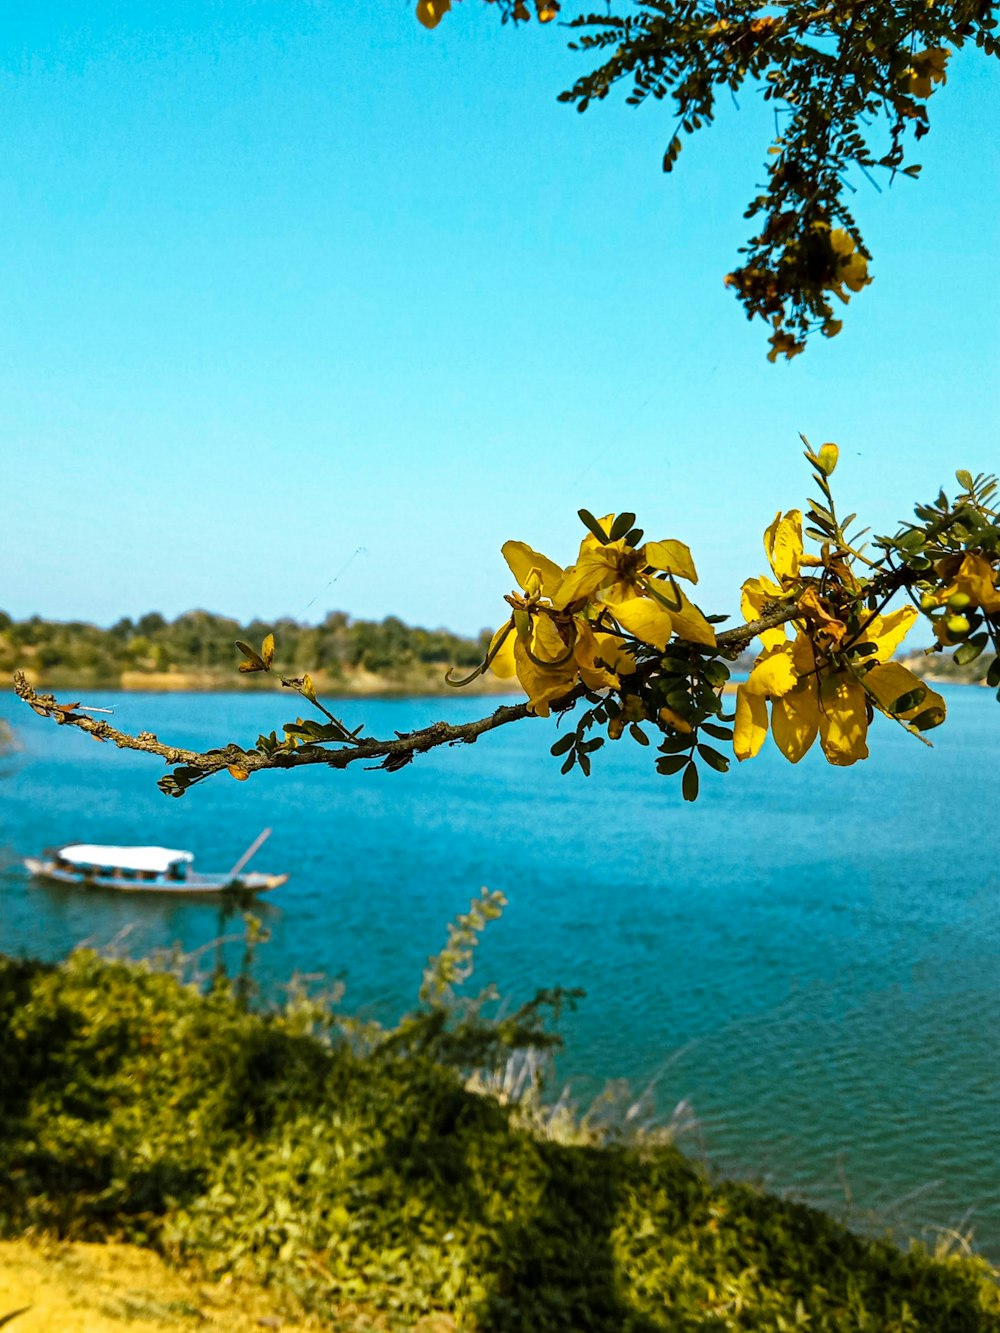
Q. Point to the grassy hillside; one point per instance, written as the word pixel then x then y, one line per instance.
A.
pixel 351 1168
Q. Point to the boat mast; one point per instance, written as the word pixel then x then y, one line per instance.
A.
pixel 252 850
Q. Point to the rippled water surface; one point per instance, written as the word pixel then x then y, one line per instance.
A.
pixel 809 956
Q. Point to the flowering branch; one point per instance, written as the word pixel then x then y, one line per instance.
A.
pixel 393 754
pixel 615 631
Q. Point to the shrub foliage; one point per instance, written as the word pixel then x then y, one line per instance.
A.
pixel 340 1165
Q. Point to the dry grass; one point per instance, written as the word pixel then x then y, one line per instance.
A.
pixel 83 1288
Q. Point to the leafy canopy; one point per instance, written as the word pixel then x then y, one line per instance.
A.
pixel 850 85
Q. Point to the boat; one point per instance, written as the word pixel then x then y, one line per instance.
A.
pixel 145 870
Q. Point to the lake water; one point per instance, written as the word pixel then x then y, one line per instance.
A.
pixel 810 956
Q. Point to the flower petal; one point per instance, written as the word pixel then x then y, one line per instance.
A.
pixel 750 729
pixel 523 560
pixel 672 557
pixel 594 567
pixel 888 632
pixel 975 578
pixel 690 624
pixel 773 674
pixel 542 684
pixel 783 544
pixel 587 653
pixel 613 652
pixel 795 720
pixel 758 593
pixel 646 619
pixel 843 718
pixel 502 664
pixel 891 681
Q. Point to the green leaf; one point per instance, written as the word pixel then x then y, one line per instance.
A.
pixel 913 540
pixel 671 763
pixel 637 734
pixel 622 524
pixel 589 521
pixel 679 666
pixel 930 717
pixel 714 759
pixel 909 700
pixel 720 733
pixel 964 479
pixel 716 673
pixel 690 782
pixel 968 652
pixel 674 744
pixel 569 762
pixel 993 674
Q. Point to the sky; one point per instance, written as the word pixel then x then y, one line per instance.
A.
pixel 303 307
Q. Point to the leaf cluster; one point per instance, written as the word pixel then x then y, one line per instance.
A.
pixel 848 84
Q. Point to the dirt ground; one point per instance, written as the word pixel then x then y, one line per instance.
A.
pixel 78 1288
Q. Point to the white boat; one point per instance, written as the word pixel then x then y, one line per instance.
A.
pixel 144 870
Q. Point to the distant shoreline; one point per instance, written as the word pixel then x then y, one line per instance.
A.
pixel 360 685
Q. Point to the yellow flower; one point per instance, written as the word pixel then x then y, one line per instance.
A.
pixel 927 69
pixel 852 266
pixel 783 547
pixel 548 649
pixel 613 571
pixel 973 577
pixel 551 654
pixel 824 696
pixel 623 580
pixel 431 12
pixel 537 574
pixel 782 344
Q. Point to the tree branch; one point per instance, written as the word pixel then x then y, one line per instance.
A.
pixel 390 754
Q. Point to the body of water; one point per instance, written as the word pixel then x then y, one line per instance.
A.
pixel 808 955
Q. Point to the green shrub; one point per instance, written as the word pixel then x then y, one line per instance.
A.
pixel 351 1165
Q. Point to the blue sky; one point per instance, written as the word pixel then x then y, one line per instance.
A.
pixel 283 281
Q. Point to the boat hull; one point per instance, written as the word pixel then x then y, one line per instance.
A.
pixel 195 886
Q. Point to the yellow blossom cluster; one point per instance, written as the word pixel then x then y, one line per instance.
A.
pixel 926 69
pixel 824 680
pixel 966 584
pixel 582 624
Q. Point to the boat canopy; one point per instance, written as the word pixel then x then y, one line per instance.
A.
pixel 157 859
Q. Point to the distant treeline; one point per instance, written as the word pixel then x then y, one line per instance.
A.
pixel 197 651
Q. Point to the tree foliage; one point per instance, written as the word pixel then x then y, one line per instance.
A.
pixel 198 646
pixel 850 85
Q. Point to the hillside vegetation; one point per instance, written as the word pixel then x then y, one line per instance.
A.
pixel 353 1169
pixel 196 651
